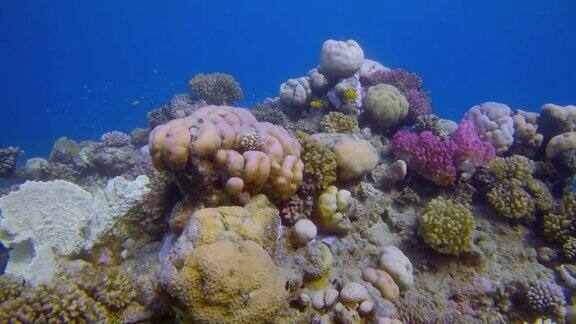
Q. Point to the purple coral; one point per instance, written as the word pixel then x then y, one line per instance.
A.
pixel 115 139
pixel 419 103
pixel 410 84
pixel 400 78
pixel 439 160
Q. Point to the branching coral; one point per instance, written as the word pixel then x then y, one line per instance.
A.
pixel 337 122
pixel 10 287
pixel 447 226
pixel 560 226
pixel 54 304
pixel 319 161
pixel 115 139
pixel 509 194
pixel 216 88
pixel 215 134
pixel 545 298
pixel 439 160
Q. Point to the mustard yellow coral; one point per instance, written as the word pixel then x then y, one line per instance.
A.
pixel 447 226
pixel 331 206
pixel 10 287
pixel 319 161
pixel 228 282
pixel 510 199
pixel 510 195
pixel 559 226
pixel 60 303
pixel 337 122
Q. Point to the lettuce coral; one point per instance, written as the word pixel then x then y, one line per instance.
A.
pixel 447 226
pixel 319 161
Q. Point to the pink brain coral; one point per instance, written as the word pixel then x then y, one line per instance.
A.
pixel 439 160
pixel 218 134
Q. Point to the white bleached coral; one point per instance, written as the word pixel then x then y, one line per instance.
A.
pixel 340 58
pixel 47 213
pixel 495 124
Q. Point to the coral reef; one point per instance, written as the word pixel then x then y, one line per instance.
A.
pixel 216 88
pixel 343 200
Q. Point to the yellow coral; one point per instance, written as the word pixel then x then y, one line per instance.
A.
pixel 227 282
pixel 510 199
pixel 319 267
pixel 257 221
pixel 350 94
pixel 337 122
pixel 561 225
pixel 330 208
pixel 10 287
pixel 319 161
pixel 510 196
pixel 447 226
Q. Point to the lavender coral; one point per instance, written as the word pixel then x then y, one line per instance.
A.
pixel 439 160
pixel 115 139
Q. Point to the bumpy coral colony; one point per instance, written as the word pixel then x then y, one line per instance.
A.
pixel 343 200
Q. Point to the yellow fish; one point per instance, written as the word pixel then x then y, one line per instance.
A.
pixel 316 103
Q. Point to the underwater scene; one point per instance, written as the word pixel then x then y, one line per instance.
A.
pixel 304 162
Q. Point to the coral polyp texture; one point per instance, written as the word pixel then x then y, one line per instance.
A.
pixel 447 226
pixel 345 199
pixel 228 137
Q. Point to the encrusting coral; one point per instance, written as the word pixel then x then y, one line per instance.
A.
pixel 217 133
pixel 226 282
pixel 447 226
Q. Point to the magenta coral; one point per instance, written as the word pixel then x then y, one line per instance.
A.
pixel 471 149
pixel 439 160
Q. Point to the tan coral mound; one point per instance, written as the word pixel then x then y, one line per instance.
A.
pixel 227 282
pixel 222 134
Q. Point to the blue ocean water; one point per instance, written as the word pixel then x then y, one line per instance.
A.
pixel 78 68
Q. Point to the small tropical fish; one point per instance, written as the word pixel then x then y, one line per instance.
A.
pixel 135 102
pixel 316 103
